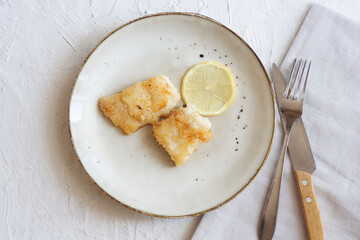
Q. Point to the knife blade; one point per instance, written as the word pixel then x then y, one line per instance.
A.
pixel 303 165
pixel 299 149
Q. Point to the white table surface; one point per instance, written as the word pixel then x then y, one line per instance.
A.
pixel 44 191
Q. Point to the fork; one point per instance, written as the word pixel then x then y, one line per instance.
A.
pixel 291 106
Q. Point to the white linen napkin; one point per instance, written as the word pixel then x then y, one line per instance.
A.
pixel 332 119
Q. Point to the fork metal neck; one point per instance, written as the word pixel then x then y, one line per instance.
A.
pixel 290 118
pixel 291 110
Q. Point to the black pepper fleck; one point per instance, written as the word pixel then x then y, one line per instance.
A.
pixel 236 150
pixel 238 117
pixel 244 97
pixel 196 179
pixel 237 77
pixel 201 55
pixel 225 64
pixel 241 110
pixel 215 50
pixel 225 55
pixel 237 142
pixel 184 105
pixel 138 107
pixel 175 48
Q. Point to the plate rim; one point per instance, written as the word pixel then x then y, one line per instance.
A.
pixel 273 106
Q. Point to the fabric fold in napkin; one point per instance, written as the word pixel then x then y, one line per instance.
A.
pixel 331 116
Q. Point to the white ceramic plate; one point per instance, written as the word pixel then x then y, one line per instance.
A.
pixel 134 169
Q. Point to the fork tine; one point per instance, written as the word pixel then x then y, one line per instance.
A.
pixel 295 90
pixel 302 95
pixel 291 78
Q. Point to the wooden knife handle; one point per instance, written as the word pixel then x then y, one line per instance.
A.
pixel 309 205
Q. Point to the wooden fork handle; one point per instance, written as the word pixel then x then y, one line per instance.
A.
pixel 309 205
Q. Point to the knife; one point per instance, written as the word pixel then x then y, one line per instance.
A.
pixel 303 165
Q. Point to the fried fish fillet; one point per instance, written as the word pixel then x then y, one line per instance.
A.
pixel 143 103
pixel 181 133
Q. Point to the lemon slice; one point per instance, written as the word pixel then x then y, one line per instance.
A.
pixel 208 88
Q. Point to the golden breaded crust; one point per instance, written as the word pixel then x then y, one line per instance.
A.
pixel 187 130
pixel 117 111
pixel 143 103
pixel 181 133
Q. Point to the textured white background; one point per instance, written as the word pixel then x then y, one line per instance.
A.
pixel 44 192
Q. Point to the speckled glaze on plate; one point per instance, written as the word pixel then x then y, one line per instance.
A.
pixel 135 170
